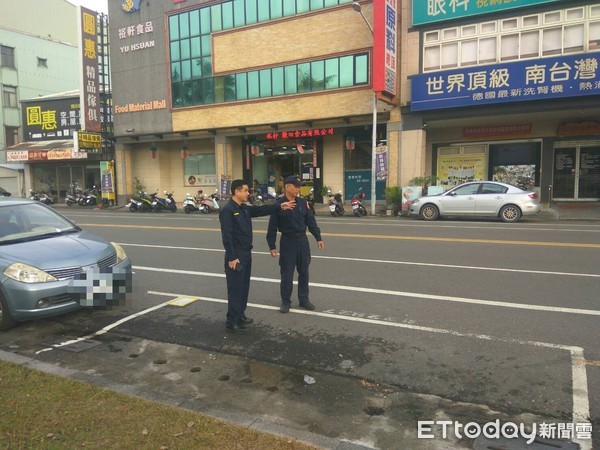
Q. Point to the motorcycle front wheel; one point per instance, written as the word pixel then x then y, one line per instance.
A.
pixel 174 208
pixel 133 207
pixel 189 209
pixel 339 210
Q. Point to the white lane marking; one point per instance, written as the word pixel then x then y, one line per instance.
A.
pixel 587 312
pixel 105 329
pixel 581 406
pixel 382 261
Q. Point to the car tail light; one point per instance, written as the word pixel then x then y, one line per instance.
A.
pixel 533 195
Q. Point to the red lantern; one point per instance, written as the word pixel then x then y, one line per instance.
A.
pixel 153 151
pixel 255 148
pixel 350 143
pixel 183 152
pixel 300 148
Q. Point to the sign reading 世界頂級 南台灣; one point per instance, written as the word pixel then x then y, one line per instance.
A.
pixel 539 79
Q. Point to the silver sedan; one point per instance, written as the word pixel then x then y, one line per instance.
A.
pixel 49 266
pixel 479 198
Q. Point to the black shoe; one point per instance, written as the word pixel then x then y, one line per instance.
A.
pixel 307 305
pixel 284 308
pixel 235 328
pixel 245 321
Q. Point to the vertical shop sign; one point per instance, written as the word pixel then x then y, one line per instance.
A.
pixel 89 78
pixel 385 52
pixel 225 186
pixel 314 153
pixel 247 157
pixel 107 180
pixel 381 155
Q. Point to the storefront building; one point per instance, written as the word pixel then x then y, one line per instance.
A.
pixel 507 92
pixel 53 160
pixel 252 89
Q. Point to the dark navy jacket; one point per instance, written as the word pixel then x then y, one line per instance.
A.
pixel 236 226
pixel 293 221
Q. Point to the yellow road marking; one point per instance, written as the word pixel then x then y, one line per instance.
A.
pixel 587 363
pixel 374 236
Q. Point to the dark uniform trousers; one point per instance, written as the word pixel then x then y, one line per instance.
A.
pixel 294 252
pixel 238 286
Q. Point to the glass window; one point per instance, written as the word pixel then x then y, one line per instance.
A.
pixel 186 70
pixel 195 22
pixel 276 9
pixel 263 10
pixel 265 83
pixel 197 68
pixel 432 58
pixel 303 6
pixel 176 71
pixel 468 53
pixel 509 24
pixel 552 17
pixel 291 80
pixel 573 36
pixel 174 27
pixel 330 3
pixel 531 21
pixel 196 47
pixel 432 36
pixel 488 27
pixel 200 164
pixel 469 30
pixel 552 41
pixel 469 189
pixel 239 15
pixel 185 48
pixel 215 18
pixel 229 87
pixel 361 69
pixel 509 47
pixel 277 79
pixel 227 15
pixel 9 97
pixel 316 4
pixel 205 42
pixel 12 135
pixel 207 90
pixel 451 33
pixel 289 8
pixel 317 71
pixel 251 13
pixel 184 25
pixel 303 77
pixel 487 50
pixel 175 54
pixel 530 44
pixel 574 14
pixel 205 20
pixel 207 66
pixel 332 73
pixel 241 86
pixel 346 71
pixel 449 55
pixel 594 36
pixel 253 86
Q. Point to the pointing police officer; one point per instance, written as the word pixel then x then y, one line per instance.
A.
pixel 294 247
pixel 236 232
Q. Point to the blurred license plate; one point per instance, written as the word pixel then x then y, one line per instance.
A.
pixel 331 207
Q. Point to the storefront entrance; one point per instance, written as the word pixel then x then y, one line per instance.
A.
pixel 577 172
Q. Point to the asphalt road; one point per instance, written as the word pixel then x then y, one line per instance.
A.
pixel 479 312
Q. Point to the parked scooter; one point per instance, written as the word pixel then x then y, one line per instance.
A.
pixel 45 198
pixel 310 198
pixel 171 203
pixel 140 203
pixel 74 195
pixel 192 203
pixel 210 204
pixel 161 204
pixel 33 195
pixel 88 198
pixel 336 207
pixel 358 209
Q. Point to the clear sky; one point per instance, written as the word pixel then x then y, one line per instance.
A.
pixel 94 5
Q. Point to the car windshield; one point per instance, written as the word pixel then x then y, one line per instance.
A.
pixel 31 221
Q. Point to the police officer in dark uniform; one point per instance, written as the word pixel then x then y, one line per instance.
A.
pixel 236 232
pixel 294 245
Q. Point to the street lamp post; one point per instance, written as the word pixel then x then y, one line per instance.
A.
pixel 356 6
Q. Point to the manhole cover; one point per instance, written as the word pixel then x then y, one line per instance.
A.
pixel 79 346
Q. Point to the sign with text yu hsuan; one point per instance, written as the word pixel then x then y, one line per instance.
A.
pixel 538 79
pixel 431 11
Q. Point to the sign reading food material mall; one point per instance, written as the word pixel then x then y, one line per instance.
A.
pixel 143 106
pixel 430 11
pixel 539 79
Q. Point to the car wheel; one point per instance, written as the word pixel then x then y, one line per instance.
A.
pixel 510 213
pixel 430 212
pixel 6 321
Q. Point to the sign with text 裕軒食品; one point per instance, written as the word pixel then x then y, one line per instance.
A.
pixel 431 11
pixel 539 79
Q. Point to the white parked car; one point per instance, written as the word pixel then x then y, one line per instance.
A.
pixel 479 198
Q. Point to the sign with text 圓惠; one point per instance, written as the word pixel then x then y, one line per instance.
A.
pixel 539 79
pixel 45 120
pixel 89 78
pixel 431 11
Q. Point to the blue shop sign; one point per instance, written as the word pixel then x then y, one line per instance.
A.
pixel 431 11
pixel 538 79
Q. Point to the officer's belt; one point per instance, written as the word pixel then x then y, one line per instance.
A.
pixel 294 234
pixel 244 248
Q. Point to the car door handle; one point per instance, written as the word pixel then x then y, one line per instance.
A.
pixel 470 198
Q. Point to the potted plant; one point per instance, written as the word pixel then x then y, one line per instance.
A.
pixel 393 199
pixel 424 182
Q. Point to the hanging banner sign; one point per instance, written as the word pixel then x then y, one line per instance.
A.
pixel 107 179
pixel 89 78
pixel 381 156
pixel 225 186
pixel 385 52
